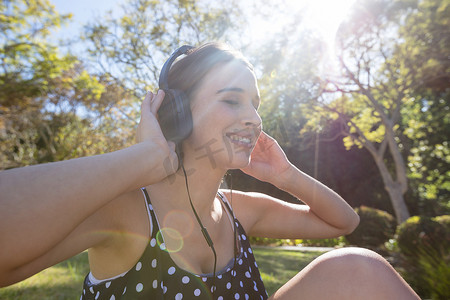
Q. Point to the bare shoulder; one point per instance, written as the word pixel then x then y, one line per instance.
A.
pixel 248 206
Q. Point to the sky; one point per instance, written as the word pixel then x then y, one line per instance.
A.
pixel 323 16
pixel 83 11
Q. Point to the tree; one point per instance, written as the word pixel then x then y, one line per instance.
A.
pixel 51 107
pixel 133 47
pixel 426 49
pixel 375 90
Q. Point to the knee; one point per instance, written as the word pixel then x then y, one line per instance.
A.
pixel 354 261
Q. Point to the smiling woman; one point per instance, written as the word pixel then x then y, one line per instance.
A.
pixel 138 190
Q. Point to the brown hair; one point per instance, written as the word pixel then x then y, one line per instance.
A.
pixel 187 73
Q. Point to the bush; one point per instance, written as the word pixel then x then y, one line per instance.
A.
pixel 424 244
pixel 423 233
pixel 375 228
pixel 336 242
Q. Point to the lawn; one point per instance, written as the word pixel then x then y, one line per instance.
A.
pixel 64 281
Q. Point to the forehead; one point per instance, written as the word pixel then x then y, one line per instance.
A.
pixel 229 75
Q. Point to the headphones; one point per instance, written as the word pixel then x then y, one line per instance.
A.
pixel 174 114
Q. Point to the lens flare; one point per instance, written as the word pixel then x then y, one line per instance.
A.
pixel 169 239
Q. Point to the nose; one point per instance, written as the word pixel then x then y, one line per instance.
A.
pixel 251 117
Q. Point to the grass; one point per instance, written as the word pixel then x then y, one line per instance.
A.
pixel 278 266
pixel 65 280
pixel 62 281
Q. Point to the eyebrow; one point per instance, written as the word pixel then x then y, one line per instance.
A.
pixel 230 89
pixel 238 90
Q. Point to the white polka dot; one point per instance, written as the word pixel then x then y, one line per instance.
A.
pixel 204 279
pixel 124 290
pixel 84 292
pixel 247 274
pixel 240 262
pixel 241 284
pixel 237 224
pixel 256 265
pixel 250 250
pixel 185 280
pixel 97 295
pixel 254 286
pixel 220 298
pixel 162 284
pixel 155 284
pixel 153 242
pixel 112 297
pixel 150 207
pixel 179 296
pixel 247 297
pixel 154 262
pixel 243 237
pixel 245 254
pixel 197 292
pixel 236 296
pixel 162 246
pixel 219 277
pixel 139 287
pixel 108 284
pixel 91 289
pixel 138 266
pixel 229 285
pixel 171 270
pixel 164 289
pixel 233 273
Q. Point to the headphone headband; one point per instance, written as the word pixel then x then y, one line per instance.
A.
pixel 164 76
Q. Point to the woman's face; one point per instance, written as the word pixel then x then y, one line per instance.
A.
pixel 225 118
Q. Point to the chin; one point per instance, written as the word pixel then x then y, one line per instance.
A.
pixel 239 161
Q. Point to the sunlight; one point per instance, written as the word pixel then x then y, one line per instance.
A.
pixel 325 16
pixel 322 17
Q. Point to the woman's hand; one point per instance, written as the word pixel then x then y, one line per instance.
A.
pixel 149 131
pixel 268 161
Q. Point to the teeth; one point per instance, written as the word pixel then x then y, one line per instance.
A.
pixel 239 138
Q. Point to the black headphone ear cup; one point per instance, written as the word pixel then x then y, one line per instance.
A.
pixel 175 116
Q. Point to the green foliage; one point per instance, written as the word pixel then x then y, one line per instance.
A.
pixel 375 228
pixel 132 47
pixel 30 65
pixel 424 243
pixel 434 273
pixel 51 107
pixel 420 233
pixel 336 242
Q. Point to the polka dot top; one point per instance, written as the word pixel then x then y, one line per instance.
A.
pixel 156 276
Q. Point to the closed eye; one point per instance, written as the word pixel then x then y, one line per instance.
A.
pixel 231 102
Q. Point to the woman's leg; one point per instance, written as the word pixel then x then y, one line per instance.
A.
pixel 348 273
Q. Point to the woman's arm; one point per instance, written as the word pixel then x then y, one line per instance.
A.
pixel 325 214
pixel 41 205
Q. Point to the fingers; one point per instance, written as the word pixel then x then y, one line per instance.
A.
pixel 152 102
pixel 156 101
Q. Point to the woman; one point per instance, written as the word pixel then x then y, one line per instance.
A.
pixel 180 236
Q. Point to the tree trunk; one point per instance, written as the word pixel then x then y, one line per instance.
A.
pixel 398 202
pixel 395 191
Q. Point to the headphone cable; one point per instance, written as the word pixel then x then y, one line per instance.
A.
pixel 203 229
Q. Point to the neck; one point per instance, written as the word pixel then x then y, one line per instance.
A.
pixel 203 182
